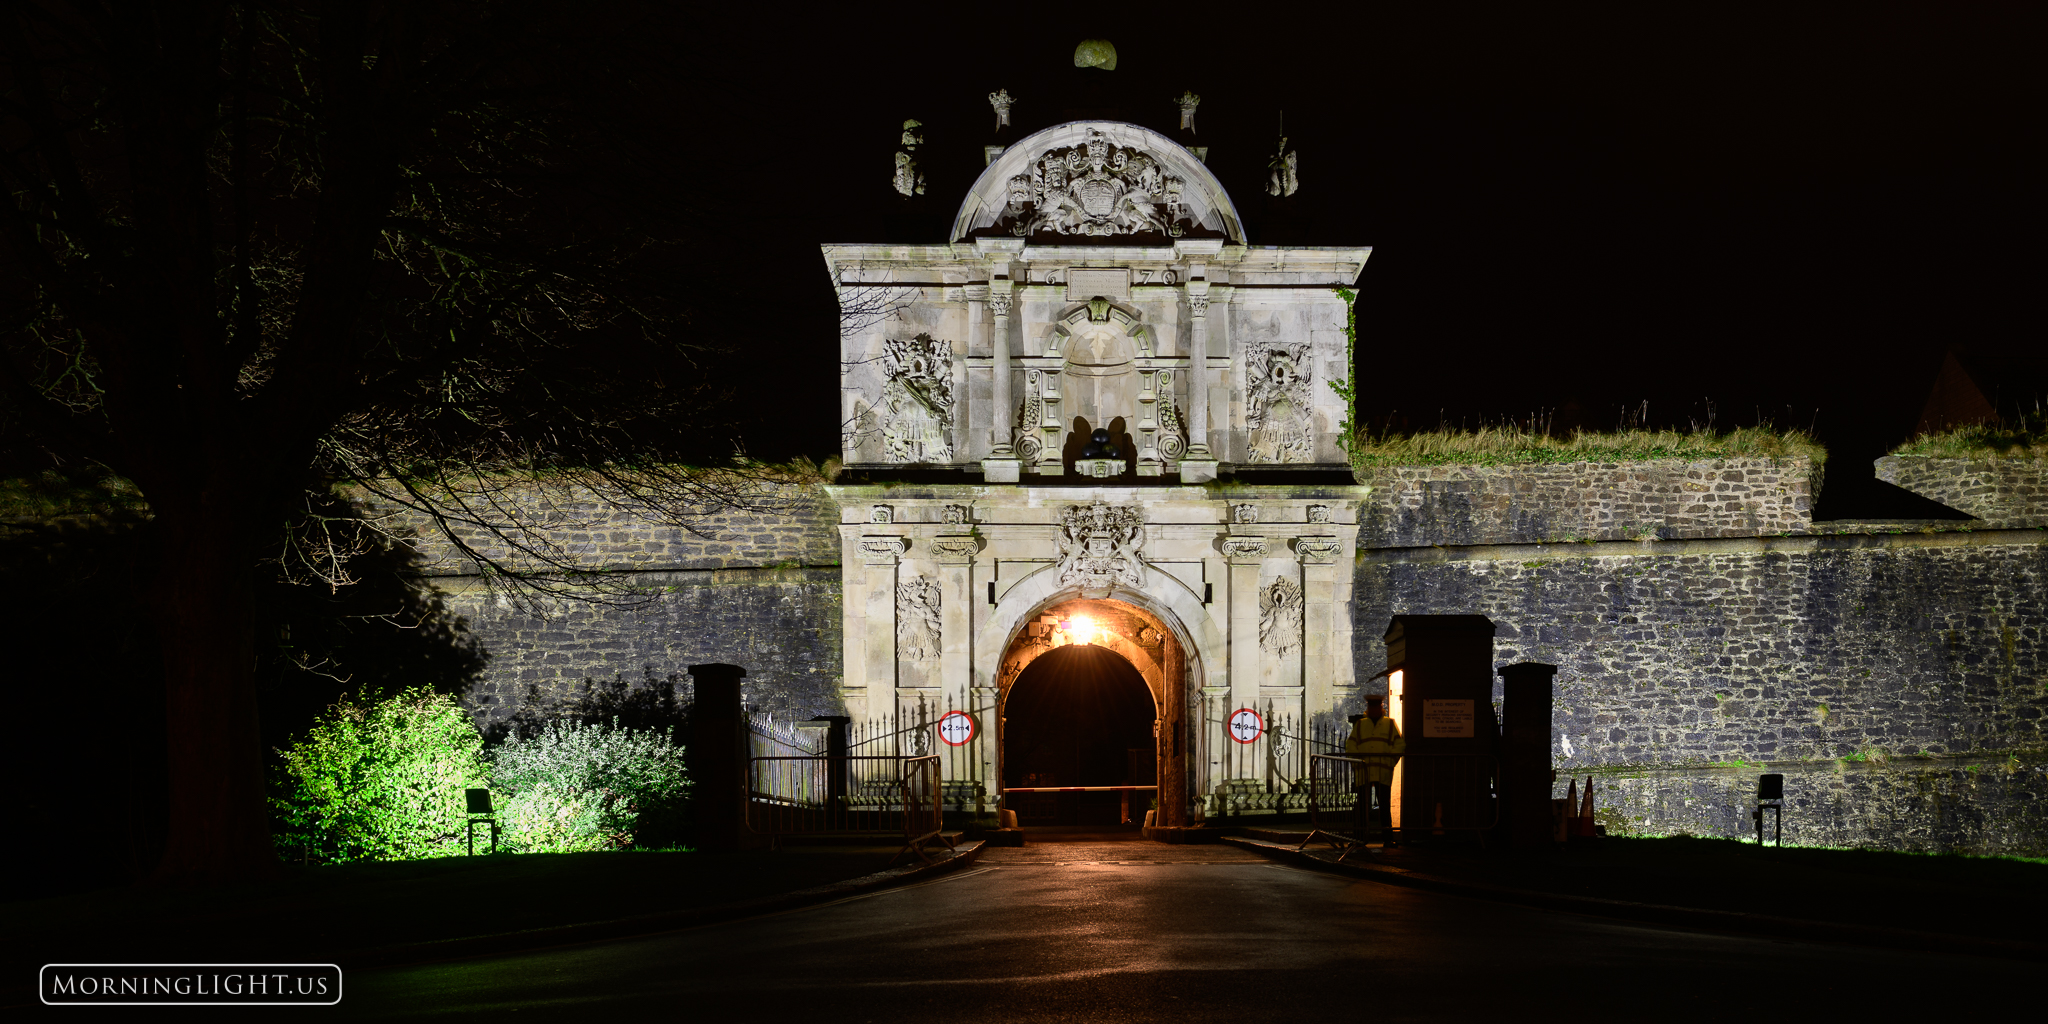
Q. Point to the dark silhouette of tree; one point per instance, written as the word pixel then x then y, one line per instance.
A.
pixel 254 253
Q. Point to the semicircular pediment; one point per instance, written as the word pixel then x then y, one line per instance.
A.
pixel 1085 180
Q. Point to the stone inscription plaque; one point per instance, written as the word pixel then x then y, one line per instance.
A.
pixel 1447 718
pixel 1110 284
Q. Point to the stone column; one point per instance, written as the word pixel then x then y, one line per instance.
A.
pixel 879 556
pixel 1247 555
pixel 1002 465
pixel 955 554
pixel 969 412
pixel 1198 464
pixel 1319 618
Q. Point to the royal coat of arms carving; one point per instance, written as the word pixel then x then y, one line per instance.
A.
pixel 1096 188
pixel 1099 546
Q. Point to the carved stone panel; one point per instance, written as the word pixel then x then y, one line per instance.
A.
pixel 1280 609
pixel 1244 513
pixel 1278 400
pixel 1099 545
pixel 917 400
pixel 917 619
pixel 1097 188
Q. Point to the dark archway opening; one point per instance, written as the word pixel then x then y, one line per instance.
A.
pixel 1078 715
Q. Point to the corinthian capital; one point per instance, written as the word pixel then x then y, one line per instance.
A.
pixel 1198 305
pixel 999 305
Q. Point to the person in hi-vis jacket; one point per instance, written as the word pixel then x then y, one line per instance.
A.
pixel 1376 741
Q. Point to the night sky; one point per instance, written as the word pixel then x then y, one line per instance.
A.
pixel 1753 214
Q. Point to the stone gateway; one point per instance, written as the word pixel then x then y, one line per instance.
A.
pixel 1096 504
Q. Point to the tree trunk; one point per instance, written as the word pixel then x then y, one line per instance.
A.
pixel 219 821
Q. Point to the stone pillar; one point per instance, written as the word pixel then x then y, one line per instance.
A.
pixel 1247 555
pixel 1002 465
pixel 717 755
pixel 969 412
pixel 1526 786
pixel 1198 464
pixel 879 556
pixel 1319 615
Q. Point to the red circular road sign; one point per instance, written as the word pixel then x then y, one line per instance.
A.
pixel 956 728
pixel 1246 726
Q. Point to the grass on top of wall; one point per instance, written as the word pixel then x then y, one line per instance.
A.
pixel 1515 445
pixel 2024 437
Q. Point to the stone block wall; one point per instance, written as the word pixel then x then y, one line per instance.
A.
pixel 1987 805
pixel 782 625
pixel 1883 645
pixel 1686 666
pixel 1686 669
pixel 780 525
pixel 2002 493
pixel 1419 506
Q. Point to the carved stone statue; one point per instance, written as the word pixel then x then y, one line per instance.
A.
pixel 1277 404
pixel 917 400
pixel 909 180
pixel 917 619
pixel 1280 617
pixel 1099 546
pixel 1282 178
pixel 1188 102
pixel 1001 100
pixel 1097 188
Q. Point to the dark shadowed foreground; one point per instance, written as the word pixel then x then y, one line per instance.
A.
pixel 1101 931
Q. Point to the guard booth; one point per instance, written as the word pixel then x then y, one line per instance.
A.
pixel 1440 690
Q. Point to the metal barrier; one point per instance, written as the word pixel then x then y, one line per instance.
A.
pixel 1125 790
pixel 1450 793
pixel 847 796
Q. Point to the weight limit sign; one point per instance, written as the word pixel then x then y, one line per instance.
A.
pixel 1246 726
pixel 956 729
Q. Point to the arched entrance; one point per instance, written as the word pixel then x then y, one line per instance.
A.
pixel 1093 692
pixel 1079 716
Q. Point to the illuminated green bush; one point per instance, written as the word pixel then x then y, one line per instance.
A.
pixel 379 781
pixel 572 786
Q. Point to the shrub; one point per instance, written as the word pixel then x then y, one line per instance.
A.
pixel 380 780
pixel 572 786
